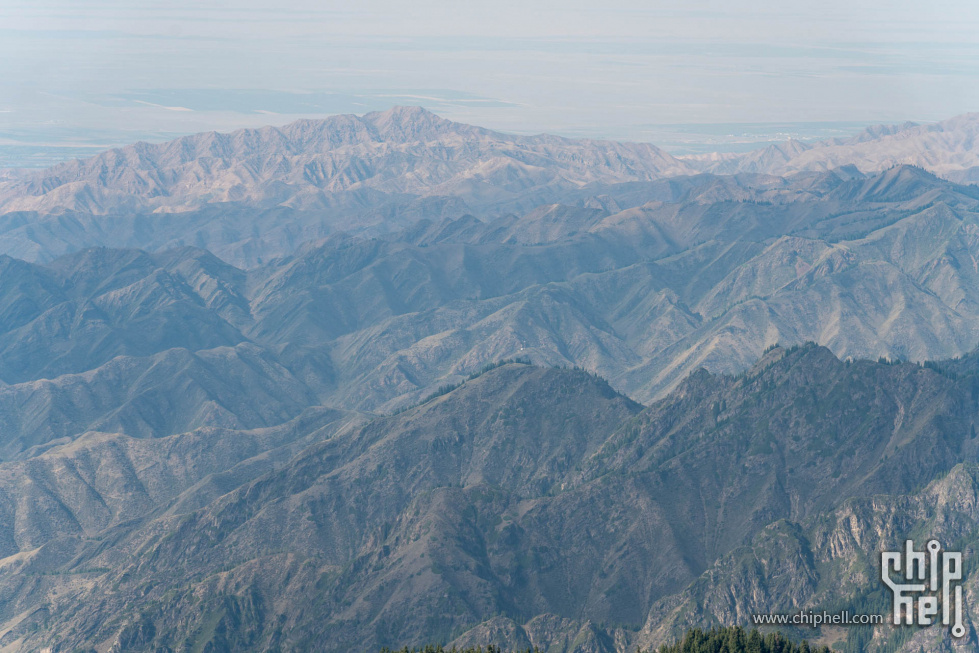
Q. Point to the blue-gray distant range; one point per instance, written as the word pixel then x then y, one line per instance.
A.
pixel 390 380
pixel 385 170
pixel 446 246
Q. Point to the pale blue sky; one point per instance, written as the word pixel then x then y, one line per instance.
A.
pixel 105 72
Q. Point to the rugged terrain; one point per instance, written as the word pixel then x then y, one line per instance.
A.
pixel 249 400
pixel 254 193
pixel 708 275
pixel 526 507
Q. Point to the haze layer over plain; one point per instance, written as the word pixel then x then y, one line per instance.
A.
pixel 119 72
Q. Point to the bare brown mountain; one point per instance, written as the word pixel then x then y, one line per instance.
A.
pixel 257 193
pixel 406 150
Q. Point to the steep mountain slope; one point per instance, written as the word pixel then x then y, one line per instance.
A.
pixel 833 561
pixel 871 267
pixel 98 304
pixel 166 393
pixel 372 475
pixel 102 481
pixel 124 341
pixel 538 495
pixel 709 276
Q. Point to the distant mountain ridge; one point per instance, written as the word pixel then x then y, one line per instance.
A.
pixel 405 150
pixel 949 148
pixel 255 194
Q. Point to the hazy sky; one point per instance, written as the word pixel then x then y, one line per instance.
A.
pixel 104 72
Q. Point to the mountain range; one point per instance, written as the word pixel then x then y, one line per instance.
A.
pixel 947 148
pixel 260 192
pixel 708 275
pixel 526 507
pixel 392 380
pixel 254 194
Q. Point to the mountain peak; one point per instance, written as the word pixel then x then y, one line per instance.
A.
pixel 896 184
pixel 407 152
pixel 876 132
pixel 403 123
pixel 404 112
